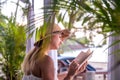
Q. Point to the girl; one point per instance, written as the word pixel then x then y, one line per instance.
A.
pixel 37 65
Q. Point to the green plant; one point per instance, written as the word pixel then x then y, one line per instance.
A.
pixel 12 48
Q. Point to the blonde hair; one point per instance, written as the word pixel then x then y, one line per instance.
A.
pixel 37 53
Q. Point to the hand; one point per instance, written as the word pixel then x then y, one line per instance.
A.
pixel 73 68
pixel 83 67
pixel 65 33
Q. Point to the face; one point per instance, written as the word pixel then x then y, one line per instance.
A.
pixel 56 40
pixel 58 37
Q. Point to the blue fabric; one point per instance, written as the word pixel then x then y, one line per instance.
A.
pixel 90 68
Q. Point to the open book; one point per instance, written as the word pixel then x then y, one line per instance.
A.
pixel 83 57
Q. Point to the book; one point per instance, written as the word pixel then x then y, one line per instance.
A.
pixel 83 57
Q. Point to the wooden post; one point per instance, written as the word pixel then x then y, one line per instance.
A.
pixel 113 59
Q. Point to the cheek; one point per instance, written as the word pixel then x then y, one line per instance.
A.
pixel 56 41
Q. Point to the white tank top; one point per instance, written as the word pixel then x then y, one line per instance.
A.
pixel 30 77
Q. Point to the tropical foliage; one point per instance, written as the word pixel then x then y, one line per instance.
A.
pixel 100 16
pixel 12 48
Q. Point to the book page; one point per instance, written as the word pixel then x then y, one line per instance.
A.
pixel 83 57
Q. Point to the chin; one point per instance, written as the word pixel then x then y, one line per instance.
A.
pixel 54 48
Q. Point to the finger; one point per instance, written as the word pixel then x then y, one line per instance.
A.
pixel 74 65
pixel 83 67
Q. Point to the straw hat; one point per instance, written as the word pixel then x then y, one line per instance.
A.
pixel 56 27
pixel 65 33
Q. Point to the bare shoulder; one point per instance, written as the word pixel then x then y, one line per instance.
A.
pixel 48 59
pixel 47 62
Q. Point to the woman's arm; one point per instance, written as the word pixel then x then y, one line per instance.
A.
pixel 47 69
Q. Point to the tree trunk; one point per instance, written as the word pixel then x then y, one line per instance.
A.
pixel 52 53
pixel 30 41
